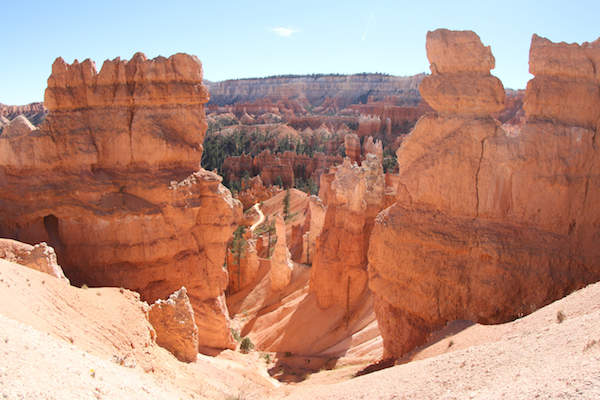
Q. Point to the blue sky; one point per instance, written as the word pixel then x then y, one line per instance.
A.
pixel 237 39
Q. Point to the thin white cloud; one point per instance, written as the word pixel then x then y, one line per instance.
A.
pixel 370 22
pixel 284 31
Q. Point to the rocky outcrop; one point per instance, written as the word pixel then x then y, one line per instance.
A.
pixel 460 80
pixel 254 191
pixel 487 226
pixel 352 146
pixel 278 168
pixel 566 84
pixel 40 257
pixel 273 170
pixel 316 219
pixel 242 264
pixel 18 127
pixel 354 196
pixel 34 112
pixel 375 147
pixel 317 89
pixel 280 273
pixel 111 181
pixel 175 326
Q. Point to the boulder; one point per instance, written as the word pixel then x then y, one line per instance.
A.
pixel 175 325
pixel 458 51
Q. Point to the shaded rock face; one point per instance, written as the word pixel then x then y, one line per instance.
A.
pixel 488 225
pixel 112 182
pixel 40 257
pixel 175 326
pixel 354 196
pixel 243 268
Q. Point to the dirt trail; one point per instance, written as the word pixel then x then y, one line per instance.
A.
pixel 261 217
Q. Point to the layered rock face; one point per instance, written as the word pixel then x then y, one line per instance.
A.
pixel 487 226
pixel 346 89
pixel 354 196
pixel 175 325
pixel 112 182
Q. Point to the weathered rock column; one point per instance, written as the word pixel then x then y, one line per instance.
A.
pixel 112 181
pixel 353 198
pixel 489 226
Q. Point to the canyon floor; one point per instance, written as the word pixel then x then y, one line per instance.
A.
pixel 62 342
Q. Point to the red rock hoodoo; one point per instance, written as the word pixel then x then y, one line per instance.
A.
pixel 488 225
pixel 353 195
pixel 112 181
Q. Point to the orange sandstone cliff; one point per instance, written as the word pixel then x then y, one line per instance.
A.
pixel 112 181
pixel 490 225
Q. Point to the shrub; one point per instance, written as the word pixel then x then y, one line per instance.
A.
pixel 246 345
pixel 560 316
pixel 236 335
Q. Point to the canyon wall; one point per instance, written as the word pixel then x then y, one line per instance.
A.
pixel 112 181
pixel 346 89
pixel 490 224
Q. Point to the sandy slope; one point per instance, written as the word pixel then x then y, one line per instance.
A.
pixel 61 342
pixel 53 335
pixel 533 357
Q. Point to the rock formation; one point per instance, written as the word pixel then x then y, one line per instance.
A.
pixel 281 264
pixel 18 127
pixel 373 147
pixel 40 257
pixel 175 326
pixel 354 196
pixel 277 168
pixel 487 226
pixel 316 218
pixel 111 181
pixel 317 89
pixel 565 87
pixel 254 191
pixel 242 264
pixel 352 145
pixel 460 80
pixel 34 112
